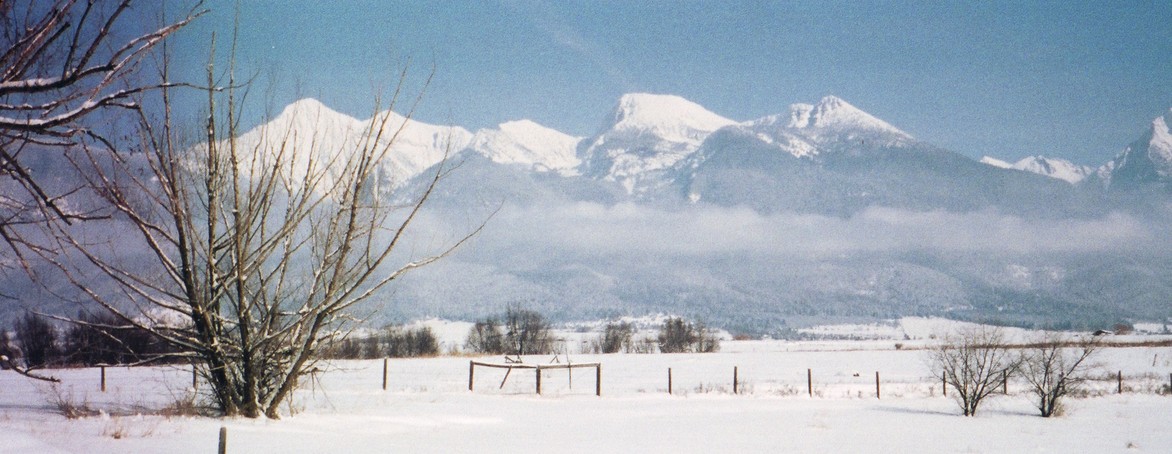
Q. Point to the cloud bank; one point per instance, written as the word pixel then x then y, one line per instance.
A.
pixel 596 229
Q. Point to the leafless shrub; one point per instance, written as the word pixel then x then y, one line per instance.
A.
pixel 616 337
pixel 679 336
pixel 485 337
pixel 1056 367
pixel 972 361
pixel 67 405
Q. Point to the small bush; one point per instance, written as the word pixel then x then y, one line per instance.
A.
pixel 615 338
pixel 485 337
pixel 68 406
pixel 680 336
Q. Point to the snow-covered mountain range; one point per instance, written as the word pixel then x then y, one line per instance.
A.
pixel 819 213
pixel 649 141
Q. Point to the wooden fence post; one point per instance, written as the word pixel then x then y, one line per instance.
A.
pixel 194 377
pixel 735 380
pixel 877 385
pixel 1004 382
pixel 471 370
pixel 385 374
pixel 598 380
pixel 1120 379
pixel 538 379
pixel 223 440
pixel 103 378
pixel 944 384
pixel 810 382
pixel 669 380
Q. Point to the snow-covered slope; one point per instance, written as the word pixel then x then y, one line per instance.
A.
pixel 1041 165
pixel 1147 161
pixel 833 118
pixel 647 133
pixel 310 131
pixel 529 144
pixel 830 125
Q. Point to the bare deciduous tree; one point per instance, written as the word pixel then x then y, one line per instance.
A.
pixel 527 332
pixel 973 361
pixel 1055 367
pixel 60 63
pixel 263 249
pixel 485 336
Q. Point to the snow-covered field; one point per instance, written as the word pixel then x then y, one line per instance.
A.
pixel 428 408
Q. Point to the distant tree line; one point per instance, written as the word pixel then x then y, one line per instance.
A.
pixel 526 332
pixel 391 341
pixel 675 336
pixel 89 340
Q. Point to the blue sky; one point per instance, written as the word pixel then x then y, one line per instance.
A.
pixel 1008 79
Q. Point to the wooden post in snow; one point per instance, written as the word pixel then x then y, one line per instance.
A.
pixel 194 377
pixel 877 385
pixel 810 382
pixel 598 380
pixel 385 374
pixel 944 384
pixel 669 380
pixel 1004 382
pixel 735 380
pixel 1120 379
pixel 538 369
pixel 223 440
pixel 103 378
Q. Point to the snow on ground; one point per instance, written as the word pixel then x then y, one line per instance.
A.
pixel 905 329
pixel 428 407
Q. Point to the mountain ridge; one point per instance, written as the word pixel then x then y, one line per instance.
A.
pixel 647 135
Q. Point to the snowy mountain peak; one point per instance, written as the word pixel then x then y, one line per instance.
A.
pixel 669 115
pixel 831 125
pixel 1160 148
pixel 313 130
pixel 530 144
pixel 1041 165
pixel 1148 160
pixel 647 133
pixel 309 115
pixel 832 113
pixel 305 106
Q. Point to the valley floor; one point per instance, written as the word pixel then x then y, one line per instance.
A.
pixel 428 408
